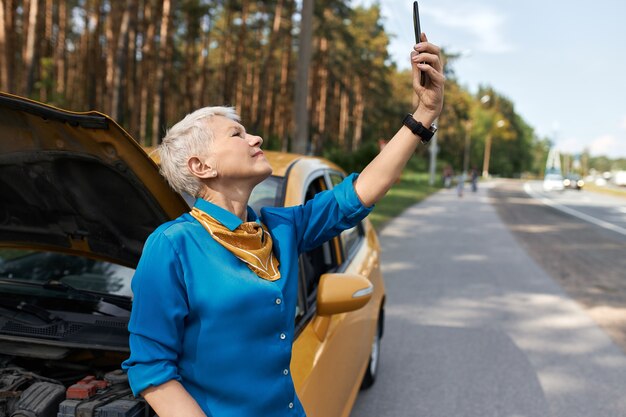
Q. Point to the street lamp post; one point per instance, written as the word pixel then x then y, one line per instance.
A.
pixel 500 123
pixel 484 100
pixel 487 156
pixel 468 142
pixel 433 160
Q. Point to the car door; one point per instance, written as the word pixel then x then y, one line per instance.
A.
pixel 330 353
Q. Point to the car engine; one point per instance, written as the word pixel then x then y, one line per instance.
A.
pixel 24 393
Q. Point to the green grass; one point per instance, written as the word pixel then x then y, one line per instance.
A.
pixel 412 188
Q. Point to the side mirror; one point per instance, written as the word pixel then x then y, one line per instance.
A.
pixel 341 293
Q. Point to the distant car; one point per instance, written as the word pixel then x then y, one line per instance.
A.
pixel 553 182
pixel 79 196
pixel 573 181
pixel 620 178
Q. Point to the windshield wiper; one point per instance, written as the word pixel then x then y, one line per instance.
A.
pixel 55 285
pixel 117 300
pixel 32 309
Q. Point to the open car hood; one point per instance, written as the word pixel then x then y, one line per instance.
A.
pixel 78 183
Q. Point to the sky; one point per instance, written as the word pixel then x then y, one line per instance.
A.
pixel 562 63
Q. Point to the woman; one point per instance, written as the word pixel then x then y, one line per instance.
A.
pixel 215 290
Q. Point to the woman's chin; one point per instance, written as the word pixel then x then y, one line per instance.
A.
pixel 261 175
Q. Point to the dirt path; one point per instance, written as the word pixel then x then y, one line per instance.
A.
pixel 587 261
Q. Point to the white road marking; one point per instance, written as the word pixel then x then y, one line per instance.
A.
pixel 572 212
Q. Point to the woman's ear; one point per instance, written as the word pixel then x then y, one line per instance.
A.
pixel 201 168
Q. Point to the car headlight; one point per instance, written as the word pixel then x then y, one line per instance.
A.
pixel 580 183
pixel 566 183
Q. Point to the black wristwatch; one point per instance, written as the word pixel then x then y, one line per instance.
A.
pixel 425 134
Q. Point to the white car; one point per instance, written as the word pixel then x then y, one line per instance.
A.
pixel 553 182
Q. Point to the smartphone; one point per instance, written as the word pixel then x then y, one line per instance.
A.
pixel 418 35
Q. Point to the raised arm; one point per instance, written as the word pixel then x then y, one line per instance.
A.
pixel 382 172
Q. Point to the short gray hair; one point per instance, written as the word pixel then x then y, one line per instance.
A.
pixel 187 138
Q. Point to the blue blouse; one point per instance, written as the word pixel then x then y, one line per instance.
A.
pixel 202 317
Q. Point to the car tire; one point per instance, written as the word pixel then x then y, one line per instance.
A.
pixel 374 362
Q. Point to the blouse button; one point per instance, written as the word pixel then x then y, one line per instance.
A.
pixel 290 405
pixel 278 301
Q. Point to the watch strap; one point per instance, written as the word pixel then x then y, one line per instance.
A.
pixel 418 128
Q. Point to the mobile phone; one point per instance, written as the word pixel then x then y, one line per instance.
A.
pixel 418 35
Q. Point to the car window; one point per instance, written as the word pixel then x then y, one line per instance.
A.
pixel 266 194
pixel 76 271
pixel 318 261
pixel 554 177
pixel 350 238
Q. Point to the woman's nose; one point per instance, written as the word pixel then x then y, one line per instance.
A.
pixel 254 140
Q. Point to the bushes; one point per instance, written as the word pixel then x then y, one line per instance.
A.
pixel 352 161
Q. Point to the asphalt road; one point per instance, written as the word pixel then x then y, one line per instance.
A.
pixel 578 238
pixel 600 209
pixel 476 325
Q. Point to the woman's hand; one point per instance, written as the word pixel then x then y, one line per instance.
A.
pixel 426 58
pixel 171 399
pixel 380 174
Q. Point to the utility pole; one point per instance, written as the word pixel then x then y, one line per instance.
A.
pixel 433 158
pixel 487 156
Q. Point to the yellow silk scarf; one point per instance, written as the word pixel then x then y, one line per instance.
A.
pixel 250 242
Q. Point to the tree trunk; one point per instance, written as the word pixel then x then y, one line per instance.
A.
pixel 202 99
pixel 147 62
pixel 49 10
pixel 4 61
pixel 226 71
pixel 359 108
pixel 112 35
pixel 281 114
pixel 60 57
pixel 46 68
pixel 268 76
pixel 29 53
pixel 320 110
pixel 190 77
pixel 120 65
pixel 238 81
pixel 157 117
pixel 130 102
pixel 256 86
pixel 10 45
pixel 301 138
pixel 343 118
pixel 92 52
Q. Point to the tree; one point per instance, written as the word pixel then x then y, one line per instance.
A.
pixel 29 51
pixel 301 139
pixel 148 62
pixel 4 61
pixel 164 63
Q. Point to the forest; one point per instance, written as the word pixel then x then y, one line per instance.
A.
pixel 147 63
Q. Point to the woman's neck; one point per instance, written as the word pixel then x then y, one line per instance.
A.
pixel 231 199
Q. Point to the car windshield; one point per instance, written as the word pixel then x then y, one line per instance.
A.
pixel 553 177
pixel 267 194
pixel 76 271
pixel 40 267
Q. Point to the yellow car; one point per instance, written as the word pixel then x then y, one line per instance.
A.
pixel 79 197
